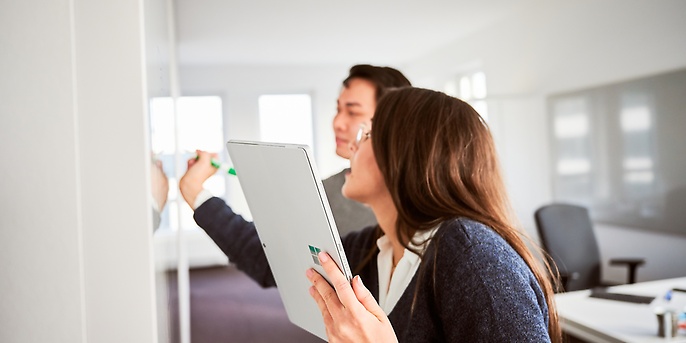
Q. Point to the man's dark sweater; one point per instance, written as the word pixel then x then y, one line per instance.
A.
pixel 471 287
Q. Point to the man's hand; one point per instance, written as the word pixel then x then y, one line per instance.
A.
pixel 199 170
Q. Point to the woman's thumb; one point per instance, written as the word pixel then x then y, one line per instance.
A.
pixel 366 298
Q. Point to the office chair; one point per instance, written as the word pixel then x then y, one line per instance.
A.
pixel 567 237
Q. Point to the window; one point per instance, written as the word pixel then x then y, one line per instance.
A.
pixel 283 118
pixel 200 126
pixel 286 118
pixel 470 87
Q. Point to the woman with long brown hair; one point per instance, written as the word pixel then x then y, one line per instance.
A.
pixel 446 262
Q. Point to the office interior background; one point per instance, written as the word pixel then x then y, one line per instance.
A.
pixel 79 260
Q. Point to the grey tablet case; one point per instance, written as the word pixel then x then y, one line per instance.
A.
pixel 293 220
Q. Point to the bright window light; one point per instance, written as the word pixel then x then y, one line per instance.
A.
pixel 571 118
pixel 479 85
pixel 162 125
pixel 570 126
pixel 286 118
pixel 470 88
pixel 644 177
pixel 450 88
pixel 635 119
pixel 481 107
pixel 200 126
pixel 638 163
pixel 465 88
pixel 200 123
pixel 573 166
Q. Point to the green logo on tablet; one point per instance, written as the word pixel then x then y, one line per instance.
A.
pixel 314 251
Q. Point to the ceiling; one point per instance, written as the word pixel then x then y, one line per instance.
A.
pixel 322 32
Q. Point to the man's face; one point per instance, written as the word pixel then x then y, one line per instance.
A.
pixel 356 105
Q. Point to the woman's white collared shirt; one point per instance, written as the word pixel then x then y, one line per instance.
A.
pixel 392 286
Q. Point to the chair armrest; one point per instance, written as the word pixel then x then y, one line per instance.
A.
pixel 631 264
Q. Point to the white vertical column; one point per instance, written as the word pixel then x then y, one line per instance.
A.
pixel 113 162
pixel 183 279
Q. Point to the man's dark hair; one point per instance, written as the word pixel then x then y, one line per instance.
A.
pixel 383 78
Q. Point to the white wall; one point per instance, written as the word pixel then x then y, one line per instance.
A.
pixel 40 226
pixel 558 47
pixel 75 226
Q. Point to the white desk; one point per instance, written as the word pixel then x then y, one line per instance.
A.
pixel 601 320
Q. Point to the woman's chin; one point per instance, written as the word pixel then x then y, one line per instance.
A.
pixel 346 192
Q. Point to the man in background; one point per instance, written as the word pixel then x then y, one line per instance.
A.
pixel 361 90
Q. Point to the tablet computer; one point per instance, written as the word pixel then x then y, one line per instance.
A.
pixel 293 220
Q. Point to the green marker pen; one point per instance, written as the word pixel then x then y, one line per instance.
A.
pixel 221 166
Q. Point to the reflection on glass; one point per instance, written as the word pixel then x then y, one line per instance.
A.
pixel 638 163
pixel 636 178
pixel 571 130
pixel 163 253
pixel 621 147
pixel 200 127
pixel 638 170
pixel 573 166
pixel 635 120
pixel 574 125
